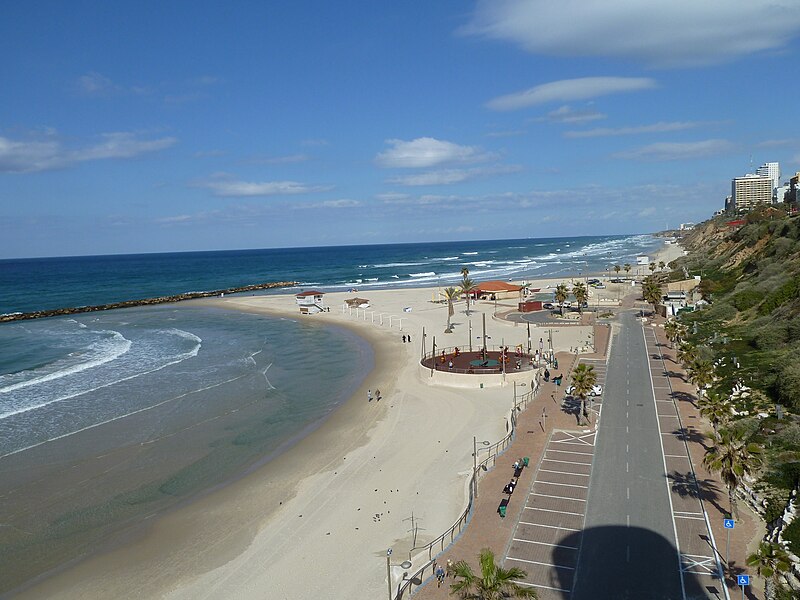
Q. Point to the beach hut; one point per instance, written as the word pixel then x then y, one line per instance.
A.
pixel 357 303
pixel 497 290
pixel 310 302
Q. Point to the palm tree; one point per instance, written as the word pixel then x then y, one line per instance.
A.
pixel 561 296
pixel 687 353
pixel 583 378
pixel 617 269
pixel 493 583
pixel 452 295
pixel 652 268
pixel 661 265
pixel 716 409
pixel 671 328
pixel 701 373
pixel 580 293
pixel 627 268
pixel 652 292
pixel 467 285
pixel 770 560
pixel 732 457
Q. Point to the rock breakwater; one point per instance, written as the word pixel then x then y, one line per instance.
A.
pixel 39 314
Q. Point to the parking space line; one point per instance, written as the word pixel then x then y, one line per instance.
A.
pixel 563 473
pixel 544 544
pixel 575 485
pixel 534 562
pixel 573 452
pixel 550 526
pixel 560 512
pixel 567 462
pixel 557 497
pixel 547 587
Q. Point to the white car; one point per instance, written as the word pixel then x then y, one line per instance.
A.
pixel 597 390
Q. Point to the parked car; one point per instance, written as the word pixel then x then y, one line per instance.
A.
pixel 593 281
pixel 600 286
pixel 617 280
pixel 597 390
pixel 548 306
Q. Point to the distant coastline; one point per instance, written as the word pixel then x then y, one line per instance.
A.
pixel 40 314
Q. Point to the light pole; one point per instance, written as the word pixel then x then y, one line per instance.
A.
pixel 406 564
pixel 475 462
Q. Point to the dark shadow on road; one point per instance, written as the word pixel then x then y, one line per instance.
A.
pixel 618 562
pixel 690 434
pixel 687 485
pixel 685 397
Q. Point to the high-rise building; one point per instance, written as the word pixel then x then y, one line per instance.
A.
pixel 771 170
pixel 750 191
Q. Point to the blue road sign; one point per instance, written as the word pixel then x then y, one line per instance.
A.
pixel 728 523
pixel 743 580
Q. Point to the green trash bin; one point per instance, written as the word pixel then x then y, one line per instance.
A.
pixel 502 511
pixel 526 460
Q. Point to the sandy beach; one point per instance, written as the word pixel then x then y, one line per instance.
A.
pixel 317 521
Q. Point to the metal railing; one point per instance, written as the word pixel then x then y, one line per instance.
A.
pixel 439 544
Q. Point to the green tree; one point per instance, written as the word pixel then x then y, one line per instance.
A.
pixel 716 409
pixel 701 373
pixel 652 291
pixel 627 268
pixel 687 354
pixel 652 267
pixel 671 329
pixel 452 294
pixel 493 583
pixel 733 457
pixel 661 265
pixel 561 296
pixel 468 286
pixel 584 378
pixel 581 294
pixel 770 560
pixel 617 269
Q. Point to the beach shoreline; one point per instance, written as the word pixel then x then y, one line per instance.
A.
pixel 225 538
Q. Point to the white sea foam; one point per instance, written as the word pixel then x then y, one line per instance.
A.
pixel 426 274
pixel 98 353
pixel 469 253
pixel 35 401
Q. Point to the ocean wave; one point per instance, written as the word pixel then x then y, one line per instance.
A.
pixel 426 274
pixel 469 253
pixel 402 264
pixel 143 354
pixel 96 354
pixel 450 258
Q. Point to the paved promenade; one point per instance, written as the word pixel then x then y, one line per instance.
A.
pixel 545 525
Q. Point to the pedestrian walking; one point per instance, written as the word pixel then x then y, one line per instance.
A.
pixel 377 395
pixel 404 338
pixel 449 570
pixel 439 576
pixel 409 338
pixel 369 395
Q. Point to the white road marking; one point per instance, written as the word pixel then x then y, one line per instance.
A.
pixel 544 544
pixel 534 562
pixel 558 497
pixel 549 526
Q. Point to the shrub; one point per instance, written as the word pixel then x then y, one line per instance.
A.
pixel 746 299
pixel 788 291
pixel 791 534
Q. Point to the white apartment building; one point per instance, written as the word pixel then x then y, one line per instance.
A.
pixel 771 170
pixel 750 191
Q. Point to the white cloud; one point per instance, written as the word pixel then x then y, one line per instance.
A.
pixel 42 155
pixel 281 160
pixel 427 152
pixel 566 114
pixel 450 176
pixel 774 143
pixel 229 187
pixel 659 127
pixel 567 90
pixel 342 203
pixel 661 34
pixel 677 150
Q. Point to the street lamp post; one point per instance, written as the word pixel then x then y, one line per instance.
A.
pixel 475 463
pixel 406 564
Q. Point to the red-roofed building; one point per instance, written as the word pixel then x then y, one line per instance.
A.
pixel 497 290
pixel 310 302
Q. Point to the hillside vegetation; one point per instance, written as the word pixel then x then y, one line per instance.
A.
pixel 750 331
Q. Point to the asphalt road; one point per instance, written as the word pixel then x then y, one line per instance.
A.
pixel 628 546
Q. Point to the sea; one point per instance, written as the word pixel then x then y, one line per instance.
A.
pixel 109 417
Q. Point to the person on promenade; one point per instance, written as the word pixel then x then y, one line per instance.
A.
pixel 439 576
pixel 377 395
pixel 409 338
pixel 369 395
pixel 404 338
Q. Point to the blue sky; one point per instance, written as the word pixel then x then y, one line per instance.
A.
pixel 171 126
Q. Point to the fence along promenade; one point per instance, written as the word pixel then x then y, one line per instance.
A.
pixel 407 586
